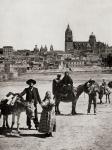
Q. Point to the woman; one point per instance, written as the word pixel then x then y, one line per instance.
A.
pixel 47 120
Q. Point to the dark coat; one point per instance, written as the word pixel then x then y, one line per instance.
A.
pixel 55 86
pixel 34 94
pixel 67 80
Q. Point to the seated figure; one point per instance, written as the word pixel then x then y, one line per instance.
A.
pixel 67 84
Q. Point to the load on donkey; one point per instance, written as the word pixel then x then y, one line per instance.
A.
pixel 64 91
pixel 14 104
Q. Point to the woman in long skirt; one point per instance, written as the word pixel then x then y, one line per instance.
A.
pixel 47 120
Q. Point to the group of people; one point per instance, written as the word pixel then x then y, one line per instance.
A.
pixel 47 122
pixel 64 85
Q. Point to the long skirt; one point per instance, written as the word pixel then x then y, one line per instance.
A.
pixel 47 121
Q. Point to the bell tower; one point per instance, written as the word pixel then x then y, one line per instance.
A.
pixel 92 42
pixel 68 39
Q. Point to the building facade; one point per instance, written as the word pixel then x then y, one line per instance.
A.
pixel 90 46
pixel 8 51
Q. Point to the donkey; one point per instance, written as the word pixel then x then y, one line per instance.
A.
pixel 104 91
pixel 17 106
pixel 60 97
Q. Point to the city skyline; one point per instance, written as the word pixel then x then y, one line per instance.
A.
pixel 26 23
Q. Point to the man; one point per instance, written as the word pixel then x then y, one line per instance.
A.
pixel 92 96
pixel 104 85
pixel 104 82
pixel 56 85
pixel 32 96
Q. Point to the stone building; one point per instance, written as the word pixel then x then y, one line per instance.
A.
pixel 91 46
pixel 8 51
pixel 43 50
pixel 22 52
pixel 36 50
pixel 1 51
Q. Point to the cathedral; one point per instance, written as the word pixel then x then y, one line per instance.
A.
pixel 90 46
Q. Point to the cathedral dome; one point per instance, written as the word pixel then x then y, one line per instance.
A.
pixel 92 36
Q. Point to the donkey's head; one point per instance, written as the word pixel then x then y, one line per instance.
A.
pixel 9 94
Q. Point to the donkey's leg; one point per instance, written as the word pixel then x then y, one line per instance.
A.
pixel 101 100
pixel 4 120
pixel 18 123
pixel 94 102
pixel 13 120
pixel 109 98
pixel 100 97
pixel 74 102
pixel 89 104
pixel 55 104
pixel 106 97
pixel 57 107
pixel 7 124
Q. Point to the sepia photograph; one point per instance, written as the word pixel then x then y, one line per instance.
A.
pixel 55 75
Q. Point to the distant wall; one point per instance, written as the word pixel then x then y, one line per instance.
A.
pixel 4 77
pixel 21 70
pixel 9 72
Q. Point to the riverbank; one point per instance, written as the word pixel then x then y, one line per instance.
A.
pixel 14 75
pixel 75 69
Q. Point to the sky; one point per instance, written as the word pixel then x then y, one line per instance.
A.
pixel 26 23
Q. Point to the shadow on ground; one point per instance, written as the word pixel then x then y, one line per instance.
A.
pixel 24 132
pixel 71 114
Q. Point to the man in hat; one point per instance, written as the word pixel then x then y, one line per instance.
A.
pixel 56 85
pixel 93 89
pixel 32 96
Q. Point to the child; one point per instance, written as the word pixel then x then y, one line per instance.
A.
pixel 47 120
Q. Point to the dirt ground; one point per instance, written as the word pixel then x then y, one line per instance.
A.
pixel 79 132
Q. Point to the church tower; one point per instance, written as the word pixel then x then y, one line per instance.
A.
pixel 92 42
pixel 68 39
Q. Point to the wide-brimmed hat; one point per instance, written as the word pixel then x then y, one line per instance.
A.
pixel 30 81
